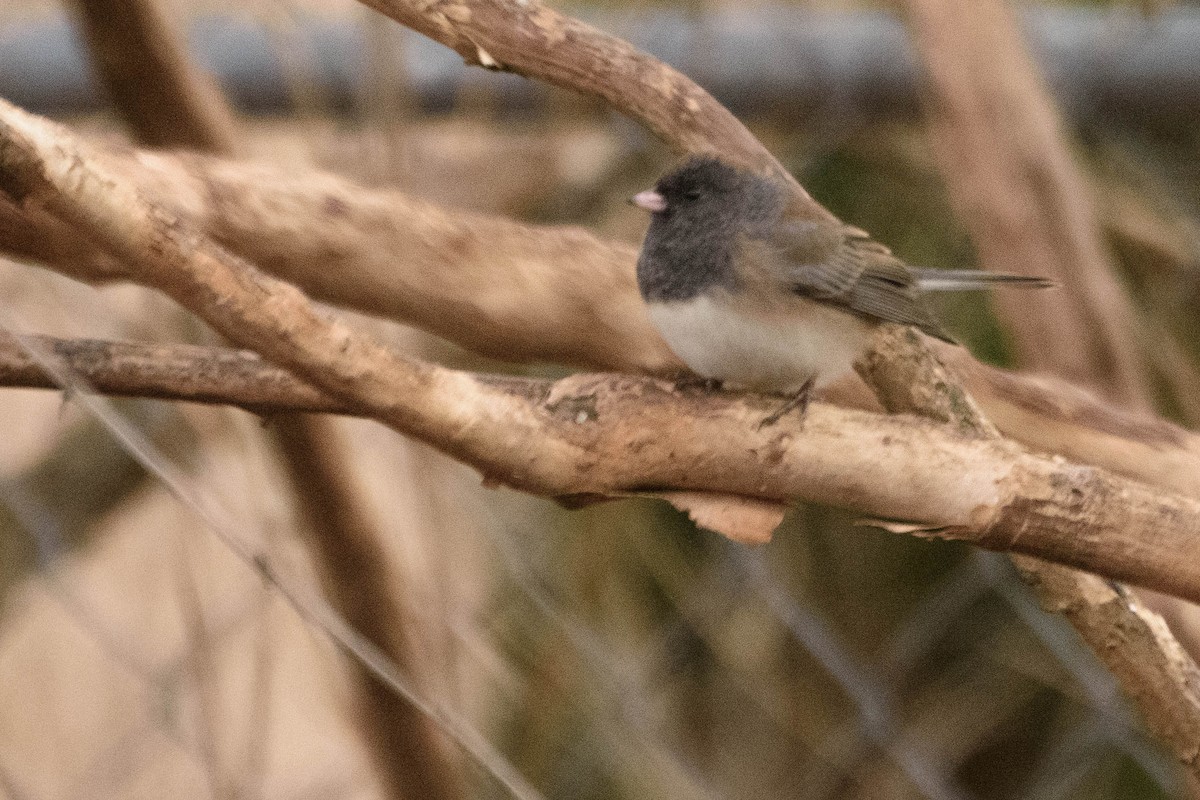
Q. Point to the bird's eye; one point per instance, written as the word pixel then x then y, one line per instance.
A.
pixel 693 194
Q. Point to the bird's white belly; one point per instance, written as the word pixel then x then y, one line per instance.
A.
pixel 775 352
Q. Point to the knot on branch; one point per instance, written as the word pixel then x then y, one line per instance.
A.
pixel 908 377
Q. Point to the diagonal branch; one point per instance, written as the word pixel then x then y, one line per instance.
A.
pixel 1008 167
pixel 531 39
pixel 168 102
pixel 1134 643
pixel 997 134
pixel 143 64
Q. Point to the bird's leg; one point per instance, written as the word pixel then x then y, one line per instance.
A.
pixel 798 400
pixel 690 380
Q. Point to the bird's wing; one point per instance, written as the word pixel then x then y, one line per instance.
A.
pixel 844 266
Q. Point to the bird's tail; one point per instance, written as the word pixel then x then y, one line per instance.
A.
pixel 958 280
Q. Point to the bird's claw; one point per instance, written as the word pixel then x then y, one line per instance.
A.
pixel 799 400
pixel 693 381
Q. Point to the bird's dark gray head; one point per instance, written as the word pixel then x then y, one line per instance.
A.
pixel 698 211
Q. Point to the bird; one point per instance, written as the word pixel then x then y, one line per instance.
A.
pixel 753 286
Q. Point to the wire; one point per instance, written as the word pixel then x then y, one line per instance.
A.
pixel 311 608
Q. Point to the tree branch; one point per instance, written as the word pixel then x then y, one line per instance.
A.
pixel 169 103
pixel 1156 673
pixel 996 131
pixel 193 374
pixel 605 434
pixel 525 293
pixel 1032 503
pixel 532 39
pixel 143 63
pixel 506 290
pixel 1008 167
pixel 1158 676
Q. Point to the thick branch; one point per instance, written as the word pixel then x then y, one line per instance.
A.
pixel 527 293
pixel 606 434
pixel 503 289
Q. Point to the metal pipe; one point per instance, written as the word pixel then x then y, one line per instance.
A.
pixel 1109 65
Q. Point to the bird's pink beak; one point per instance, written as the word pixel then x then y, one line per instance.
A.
pixel 650 200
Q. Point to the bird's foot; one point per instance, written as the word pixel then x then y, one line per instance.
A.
pixel 691 380
pixel 799 400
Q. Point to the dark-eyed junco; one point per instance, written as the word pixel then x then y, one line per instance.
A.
pixel 750 287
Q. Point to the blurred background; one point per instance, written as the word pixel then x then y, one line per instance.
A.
pixel 610 652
